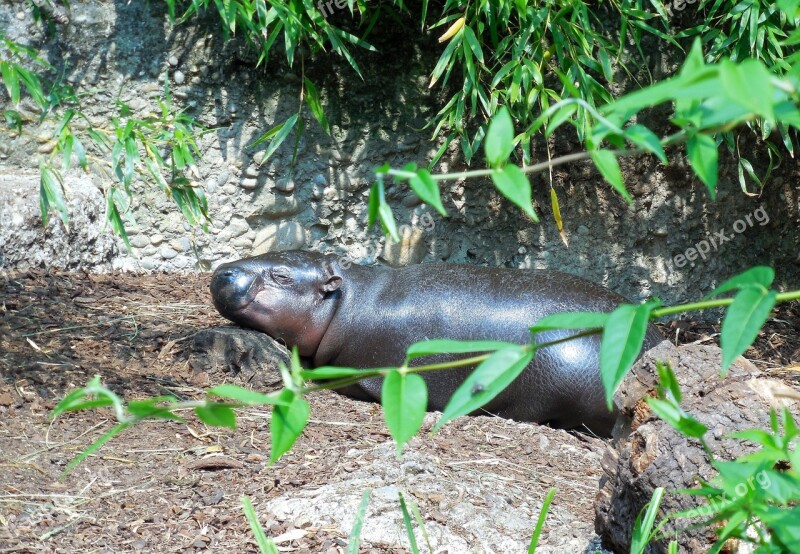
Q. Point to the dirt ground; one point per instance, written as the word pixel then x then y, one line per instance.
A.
pixel 156 488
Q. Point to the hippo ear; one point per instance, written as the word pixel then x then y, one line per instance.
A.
pixel 332 279
pixel 332 283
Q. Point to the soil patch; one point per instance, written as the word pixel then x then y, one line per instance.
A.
pixel 175 487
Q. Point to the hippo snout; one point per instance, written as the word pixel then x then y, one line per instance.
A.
pixel 233 288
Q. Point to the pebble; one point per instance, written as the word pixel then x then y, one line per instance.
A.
pixel 140 241
pixel 182 244
pixel 242 242
pixel 173 61
pixel 284 184
pixel 167 253
pixel 248 184
pixel 179 77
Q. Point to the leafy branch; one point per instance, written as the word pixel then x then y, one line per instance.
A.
pixel 708 99
pixel 149 146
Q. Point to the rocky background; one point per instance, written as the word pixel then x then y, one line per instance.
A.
pixel 125 49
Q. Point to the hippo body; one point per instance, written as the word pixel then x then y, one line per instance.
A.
pixel 366 317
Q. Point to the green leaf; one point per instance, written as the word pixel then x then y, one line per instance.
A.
pixel 668 382
pixel 243 395
pixel 330 372
pixel 499 138
pixel 68 115
pixel 758 276
pixel 473 43
pixel 102 140
pixel 66 151
pixel 608 166
pixel 677 418
pixel 404 397
pixel 562 114
pixel 75 398
pixel 783 522
pixel 218 415
pixel 33 85
pixel 703 157
pixel 51 194
pixel 487 381
pixel 387 220
pixel 426 188
pixel 377 198
pixel 743 320
pixel 155 408
pixel 354 540
pixel 749 84
pixel 537 530
pixel 445 58
pixel 623 337
pixel 75 406
pixel 11 80
pixel 757 436
pixel 643 525
pixel 570 320
pixel 278 134
pixel 793 39
pixel 114 217
pixel 412 540
pixel 287 423
pixel 131 157
pixel 645 139
pixel 296 368
pixel 95 446
pixel 312 99
pixel 514 185
pixel 374 201
pixel 265 544
pixel 80 152
pixel 605 61
pixel 446 346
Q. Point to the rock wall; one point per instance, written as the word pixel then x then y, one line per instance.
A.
pixel 667 244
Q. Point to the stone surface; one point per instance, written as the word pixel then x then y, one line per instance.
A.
pixel 249 356
pixel 411 249
pixel 130 47
pixel 25 244
pixel 289 235
pixel 491 517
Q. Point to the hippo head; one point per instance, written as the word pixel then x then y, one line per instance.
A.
pixel 290 296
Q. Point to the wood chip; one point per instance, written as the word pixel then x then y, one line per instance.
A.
pixel 214 463
pixel 291 535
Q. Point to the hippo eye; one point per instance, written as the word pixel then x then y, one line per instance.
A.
pixel 281 276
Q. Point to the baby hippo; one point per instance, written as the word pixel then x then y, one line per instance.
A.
pixel 366 317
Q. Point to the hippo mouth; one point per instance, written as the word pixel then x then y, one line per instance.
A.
pixel 233 289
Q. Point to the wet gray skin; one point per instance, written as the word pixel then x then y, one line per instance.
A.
pixel 366 317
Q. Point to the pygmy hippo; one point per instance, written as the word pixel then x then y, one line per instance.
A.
pixel 366 317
